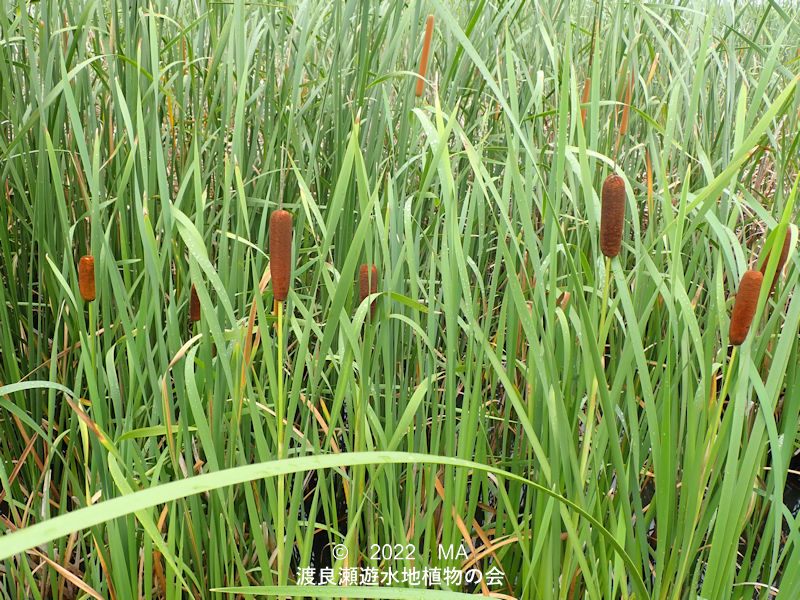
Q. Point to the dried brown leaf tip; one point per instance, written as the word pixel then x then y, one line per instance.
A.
pixel 194 306
pixel 787 240
pixel 280 252
pixel 744 307
pixel 86 277
pixel 367 284
pixel 612 217
pixel 423 61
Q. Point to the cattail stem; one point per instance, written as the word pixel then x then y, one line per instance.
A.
pixel 712 441
pixel 601 344
pixel 727 382
pixel 279 411
pixel 606 287
pixel 725 385
pixel 423 62
pixel 720 401
pixel 587 88
pixel 279 408
pixel 650 216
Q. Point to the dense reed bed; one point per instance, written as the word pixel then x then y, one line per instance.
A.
pixel 579 424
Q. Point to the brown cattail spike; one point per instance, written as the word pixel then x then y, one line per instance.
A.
pixel 745 306
pixel 280 252
pixel 623 128
pixel 423 61
pixel 367 284
pixel 587 88
pixel 781 260
pixel 86 277
pixel 612 216
pixel 194 306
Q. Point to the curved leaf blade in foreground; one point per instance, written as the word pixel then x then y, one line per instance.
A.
pixel 40 533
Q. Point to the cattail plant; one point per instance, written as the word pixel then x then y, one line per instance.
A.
pixel 745 306
pixel 86 277
pixel 623 127
pixel 280 260
pixel 194 306
pixel 626 106
pixel 612 219
pixel 612 215
pixel 367 284
pixel 280 252
pixel 587 88
pixel 423 61
pixel 744 309
pixel 787 240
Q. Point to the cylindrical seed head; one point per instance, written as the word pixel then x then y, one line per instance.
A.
pixel 280 252
pixel 367 284
pixel 587 88
pixel 86 277
pixel 194 306
pixel 612 216
pixel 744 307
pixel 423 61
pixel 623 128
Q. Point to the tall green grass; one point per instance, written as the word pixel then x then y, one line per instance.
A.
pixel 609 446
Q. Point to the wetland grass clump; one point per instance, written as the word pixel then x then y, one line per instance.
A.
pixel 86 277
pixel 367 284
pixel 280 252
pixel 423 61
pixel 744 307
pixel 612 216
pixel 267 432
